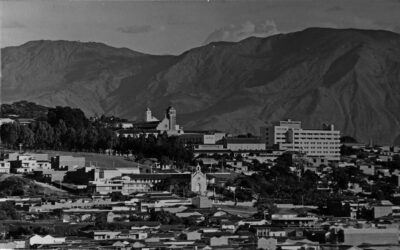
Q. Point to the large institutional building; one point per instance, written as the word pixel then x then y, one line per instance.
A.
pixel 151 125
pixel 289 135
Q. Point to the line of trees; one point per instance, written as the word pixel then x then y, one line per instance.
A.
pixel 68 129
pixel 43 135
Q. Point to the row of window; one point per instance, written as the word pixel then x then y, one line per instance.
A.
pixel 319 143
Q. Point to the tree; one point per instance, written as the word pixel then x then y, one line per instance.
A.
pixel 117 196
pixel 26 137
pixel 91 138
pixel 9 133
pixel 70 139
pixel 8 212
pixel 60 134
pixel 44 135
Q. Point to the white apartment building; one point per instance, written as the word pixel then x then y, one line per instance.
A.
pixel 123 184
pixel 27 164
pixel 289 135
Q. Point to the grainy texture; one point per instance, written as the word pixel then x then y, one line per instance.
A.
pixel 347 77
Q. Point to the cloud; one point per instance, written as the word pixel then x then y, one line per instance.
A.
pixel 396 29
pixel 238 32
pixel 135 29
pixel 234 33
pixel 12 25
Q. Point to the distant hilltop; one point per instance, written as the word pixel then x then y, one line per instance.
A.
pixel 347 77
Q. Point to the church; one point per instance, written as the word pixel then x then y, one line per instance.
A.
pixel 152 125
pixel 199 182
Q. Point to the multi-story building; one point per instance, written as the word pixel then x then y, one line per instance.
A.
pixel 201 137
pixel 133 183
pixel 27 164
pixel 290 136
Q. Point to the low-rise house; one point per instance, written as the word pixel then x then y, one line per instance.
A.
pixel 118 216
pixel 220 178
pixel 298 245
pixel 201 202
pixel 237 166
pixel 195 215
pixel 146 226
pixel 358 236
pixel 217 241
pixel 6 120
pixel 208 161
pixel 346 164
pixel 252 222
pixel 13 244
pixel 45 240
pixel 383 172
pixel 133 234
pixel 382 209
pixel 164 202
pixel 228 226
pixel 68 204
pixel 77 215
pixel 293 219
pixel 172 210
pixel 192 235
pixel 224 239
pixel 267 243
pixel 105 235
pixel 367 169
pixel 161 236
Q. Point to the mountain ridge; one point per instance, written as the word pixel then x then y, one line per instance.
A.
pixel 349 77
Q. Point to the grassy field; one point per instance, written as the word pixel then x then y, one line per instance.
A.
pixel 99 160
pixel 30 187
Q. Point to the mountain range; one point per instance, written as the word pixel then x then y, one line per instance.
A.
pixel 347 77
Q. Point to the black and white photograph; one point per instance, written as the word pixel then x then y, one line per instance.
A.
pixel 200 124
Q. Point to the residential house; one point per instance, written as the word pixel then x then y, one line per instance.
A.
pixel 267 243
pixel 45 240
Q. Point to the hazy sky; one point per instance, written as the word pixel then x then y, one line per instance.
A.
pixel 171 27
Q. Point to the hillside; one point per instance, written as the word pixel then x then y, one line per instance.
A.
pixel 347 77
